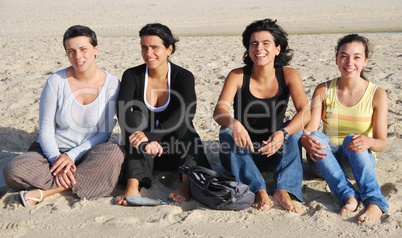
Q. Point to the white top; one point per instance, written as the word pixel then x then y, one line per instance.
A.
pixel 149 106
pixel 68 126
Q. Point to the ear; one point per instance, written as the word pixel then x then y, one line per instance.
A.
pixel 96 49
pixel 169 49
pixel 278 50
pixel 365 61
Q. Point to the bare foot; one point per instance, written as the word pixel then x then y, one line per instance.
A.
pixel 261 201
pixel 283 197
pixel 132 189
pixel 182 193
pixel 350 205
pixel 372 214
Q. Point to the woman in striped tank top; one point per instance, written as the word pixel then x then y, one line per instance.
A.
pixel 354 120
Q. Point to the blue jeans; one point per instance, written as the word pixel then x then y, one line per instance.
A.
pixel 335 166
pixel 246 166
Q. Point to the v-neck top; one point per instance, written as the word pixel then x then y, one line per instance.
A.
pixel 149 106
pixel 66 125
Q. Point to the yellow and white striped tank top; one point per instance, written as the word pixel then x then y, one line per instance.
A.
pixel 339 121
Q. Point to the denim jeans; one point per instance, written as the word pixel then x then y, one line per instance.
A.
pixel 246 166
pixel 338 161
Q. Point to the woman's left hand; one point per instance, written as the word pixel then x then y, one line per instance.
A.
pixel 273 144
pixel 137 138
pixel 154 148
pixel 359 143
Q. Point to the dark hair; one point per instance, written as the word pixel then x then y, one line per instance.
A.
pixel 355 38
pixel 157 29
pixel 79 30
pixel 280 38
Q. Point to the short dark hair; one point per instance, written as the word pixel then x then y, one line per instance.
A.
pixel 158 29
pixel 79 30
pixel 280 38
pixel 355 38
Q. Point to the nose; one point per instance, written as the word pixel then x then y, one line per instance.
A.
pixel 147 51
pixel 77 55
pixel 260 46
pixel 349 60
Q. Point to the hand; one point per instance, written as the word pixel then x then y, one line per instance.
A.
pixel 63 170
pixel 241 136
pixel 67 180
pixel 313 148
pixel 63 164
pixel 273 144
pixel 359 143
pixel 137 138
pixel 154 148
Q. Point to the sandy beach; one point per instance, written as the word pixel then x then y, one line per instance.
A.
pixel 210 46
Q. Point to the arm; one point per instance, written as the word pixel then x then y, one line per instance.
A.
pixel 61 163
pixel 300 101
pixel 131 111
pixel 316 108
pixel 222 115
pixel 311 145
pixel 47 121
pixel 380 121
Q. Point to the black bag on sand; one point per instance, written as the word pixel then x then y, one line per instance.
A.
pixel 217 191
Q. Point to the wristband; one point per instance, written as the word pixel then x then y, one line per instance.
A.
pixel 285 134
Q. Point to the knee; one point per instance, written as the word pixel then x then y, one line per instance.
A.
pixel 347 139
pixel 10 171
pixel 321 137
pixel 118 151
pixel 295 136
pixel 225 135
pixel 109 151
pixel 7 171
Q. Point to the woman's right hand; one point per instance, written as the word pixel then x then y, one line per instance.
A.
pixel 313 147
pixel 241 137
pixel 137 138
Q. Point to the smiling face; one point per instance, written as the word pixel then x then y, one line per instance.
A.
pixel 262 49
pixel 153 51
pixel 351 59
pixel 81 53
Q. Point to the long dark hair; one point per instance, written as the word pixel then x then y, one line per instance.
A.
pixel 280 38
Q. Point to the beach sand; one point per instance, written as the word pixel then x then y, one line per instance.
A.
pixel 210 46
